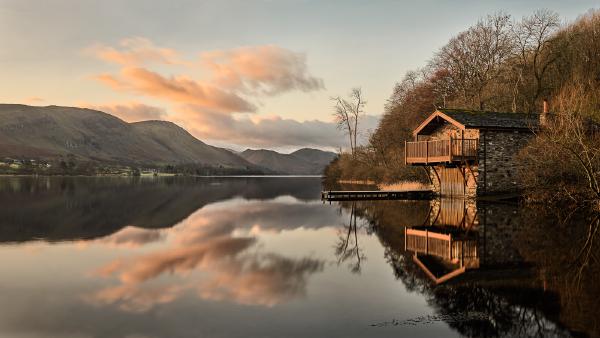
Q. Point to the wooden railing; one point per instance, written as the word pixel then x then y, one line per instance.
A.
pixel 435 151
pixel 438 244
pixel 430 243
pixel 461 253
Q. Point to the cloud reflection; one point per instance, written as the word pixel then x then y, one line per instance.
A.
pixel 207 256
pixel 133 237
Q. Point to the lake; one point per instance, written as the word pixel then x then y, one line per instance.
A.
pixel 265 257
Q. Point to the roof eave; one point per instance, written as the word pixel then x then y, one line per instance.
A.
pixel 435 114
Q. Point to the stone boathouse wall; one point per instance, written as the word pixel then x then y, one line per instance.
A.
pixel 494 173
pixel 498 166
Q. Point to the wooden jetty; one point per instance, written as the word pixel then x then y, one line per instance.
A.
pixel 375 195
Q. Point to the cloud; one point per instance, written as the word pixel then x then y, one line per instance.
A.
pixel 135 51
pixel 216 108
pixel 130 112
pixel 180 89
pixel 267 69
pixel 268 131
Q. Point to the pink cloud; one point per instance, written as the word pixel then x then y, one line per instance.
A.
pixel 179 89
pixel 261 69
pixel 209 108
pixel 135 51
pixel 130 112
pixel 264 132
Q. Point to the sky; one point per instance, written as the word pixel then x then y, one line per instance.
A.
pixel 239 74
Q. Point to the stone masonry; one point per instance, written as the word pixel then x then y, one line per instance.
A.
pixel 495 171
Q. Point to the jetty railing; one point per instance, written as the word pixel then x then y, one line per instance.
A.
pixel 435 151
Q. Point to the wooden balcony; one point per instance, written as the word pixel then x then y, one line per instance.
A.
pixel 440 151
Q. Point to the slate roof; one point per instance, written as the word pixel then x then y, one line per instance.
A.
pixel 490 119
pixel 477 119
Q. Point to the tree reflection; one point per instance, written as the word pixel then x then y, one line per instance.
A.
pixel 566 252
pixel 586 256
pixel 347 248
pixel 539 274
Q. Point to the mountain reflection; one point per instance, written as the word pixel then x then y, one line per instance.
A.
pixel 62 209
pixel 515 267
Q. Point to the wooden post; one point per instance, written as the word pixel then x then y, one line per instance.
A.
pixel 426 241
pixel 450 247
pixel 462 253
pixel 426 152
pixel 463 144
pixel 405 152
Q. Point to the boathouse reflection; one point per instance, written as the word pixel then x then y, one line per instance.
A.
pixel 498 293
pixel 456 237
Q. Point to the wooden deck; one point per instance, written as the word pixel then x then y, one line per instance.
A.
pixel 375 195
pixel 440 151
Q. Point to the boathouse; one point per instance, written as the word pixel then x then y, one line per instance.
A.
pixel 471 153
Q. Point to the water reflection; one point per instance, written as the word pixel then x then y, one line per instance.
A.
pixel 348 248
pixel 502 269
pixel 237 257
pixel 67 208
pixel 215 250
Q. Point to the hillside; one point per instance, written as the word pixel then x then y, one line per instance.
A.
pixel 51 132
pixel 315 156
pixel 302 162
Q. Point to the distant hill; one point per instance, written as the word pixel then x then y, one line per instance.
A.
pixel 51 132
pixel 305 161
pixel 315 156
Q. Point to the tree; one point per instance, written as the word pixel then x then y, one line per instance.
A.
pixel 347 114
pixel 533 36
pixel 474 58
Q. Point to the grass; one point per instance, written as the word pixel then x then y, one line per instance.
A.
pixel 404 186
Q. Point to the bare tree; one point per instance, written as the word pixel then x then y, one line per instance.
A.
pixel 533 36
pixel 475 57
pixel 347 114
pixel 563 162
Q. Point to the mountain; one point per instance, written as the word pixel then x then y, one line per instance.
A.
pixel 50 132
pixel 315 156
pixel 305 161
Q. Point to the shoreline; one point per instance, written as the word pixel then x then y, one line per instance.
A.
pixel 167 175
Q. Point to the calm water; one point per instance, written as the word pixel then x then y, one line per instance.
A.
pixel 264 257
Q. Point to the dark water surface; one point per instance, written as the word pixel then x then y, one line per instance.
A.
pixel 264 257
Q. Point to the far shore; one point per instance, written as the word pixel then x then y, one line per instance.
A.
pixel 162 175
